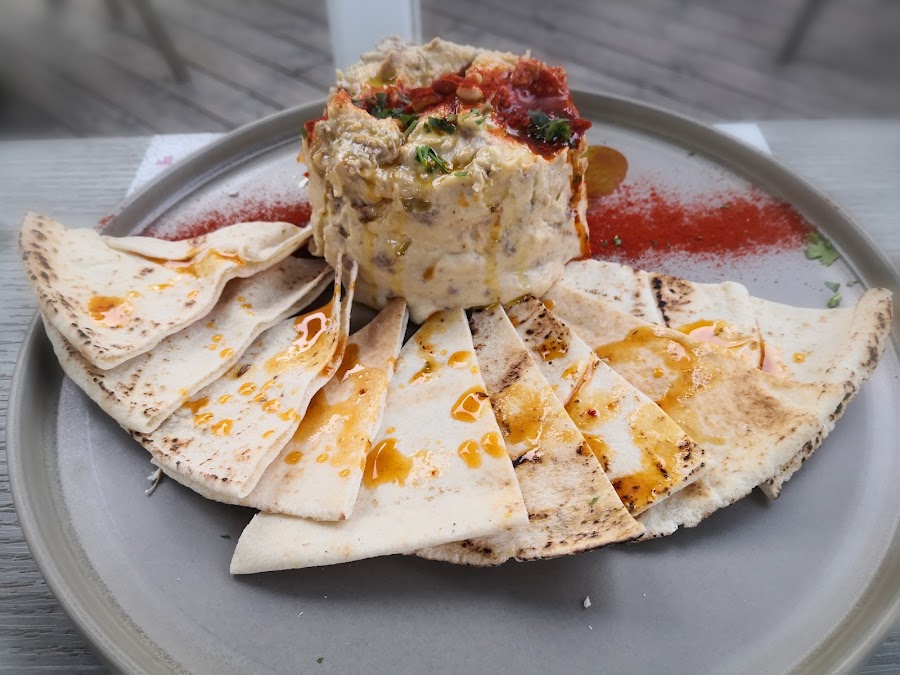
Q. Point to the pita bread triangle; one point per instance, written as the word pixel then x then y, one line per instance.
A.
pixel 750 423
pixel 116 298
pixel 645 455
pixel 439 475
pixel 840 347
pixel 220 442
pixel 571 504
pixel 318 473
pixel 142 392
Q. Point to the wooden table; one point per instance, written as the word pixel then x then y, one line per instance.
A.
pixel 857 163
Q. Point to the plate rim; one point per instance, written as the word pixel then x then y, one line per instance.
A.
pixel 122 645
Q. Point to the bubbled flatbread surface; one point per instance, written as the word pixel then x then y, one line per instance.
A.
pixel 220 441
pixel 142 392
pixel 840 347
pixel 318 473
pixel 116 298
pixel 571 504
pixel 417 489
pixel 749 422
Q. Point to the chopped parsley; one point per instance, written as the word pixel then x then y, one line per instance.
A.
pixel 430 160
pixel 549 129
pixel 594 500
pixel 617 241
pixel 836 298
pixel 379 109
pixel 303 133
pixel 819 248
pixel 320 659
pixel 460 174
pixel 445 125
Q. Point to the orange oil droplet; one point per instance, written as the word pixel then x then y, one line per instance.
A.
pixel 247 388
pixel 217 337
pixel 459 359
pixel 344 473
pixel 159 287
pixel 268 434
pixel 225 353
pixel 322 458
pixel 293 457
pixel 799 357
pixel 470 405
pixel 222 428
pixel 386 464
pixel 658 373
pixel 289 415
pixel 202 418
pixel 492 443
pixel 110 311
pixel 224 398
pixel 195 405
pixel 272 405
pixel 468 451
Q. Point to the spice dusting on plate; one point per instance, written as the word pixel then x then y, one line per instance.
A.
pixel 639 222
pixel 294 210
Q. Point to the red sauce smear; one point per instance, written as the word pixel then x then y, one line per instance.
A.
pixel 639 219
pixel 296 212
pixel 512 93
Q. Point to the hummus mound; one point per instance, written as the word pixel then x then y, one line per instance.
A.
pixel 452 175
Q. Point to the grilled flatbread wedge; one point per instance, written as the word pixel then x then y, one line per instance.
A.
pixel 750 423
pixel 840 347
pixel 720 314
pixel 140 393
pixel 220 442
pixel 642 451
pixel 836 346
pixel 116 298
pixel 437 472
pixel 625 288
pixel 318 473
pixel 571 504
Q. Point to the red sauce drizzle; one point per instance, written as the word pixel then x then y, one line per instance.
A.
pixel 296 212
pixel 531 85
pixel 640 219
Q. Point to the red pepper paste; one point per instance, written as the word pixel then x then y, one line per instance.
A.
pixel 296 212
pixel 639 218
pixel 513 93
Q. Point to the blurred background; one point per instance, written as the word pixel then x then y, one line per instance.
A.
pixel 136 67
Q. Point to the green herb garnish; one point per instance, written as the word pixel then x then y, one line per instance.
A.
pixel 430 160
pixel 320 659
pixel 594 500
pixel 819 248
pixel 460 174
pixel 303 133
pixel 225 536
pixel 834 300
pixel 832 286
pixel 549 129
pixel 378 108
pixel 446 125
pixel 617 241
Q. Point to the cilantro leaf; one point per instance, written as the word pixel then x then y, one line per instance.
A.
pixel 834 300
pixel 549 129
pixel 430 160
pixel 832 286
pixel 819 248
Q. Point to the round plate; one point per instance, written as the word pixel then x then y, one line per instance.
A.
pixel 807 582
